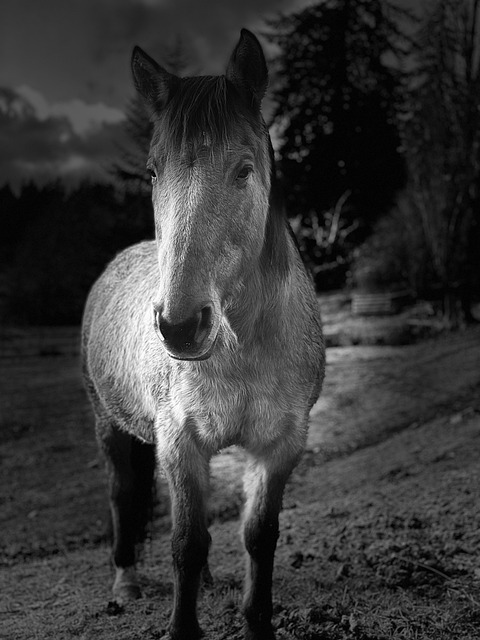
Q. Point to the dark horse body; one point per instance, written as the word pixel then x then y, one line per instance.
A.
pixel 207 337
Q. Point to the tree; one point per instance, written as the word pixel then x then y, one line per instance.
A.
pixel 335 112
pixel 442 147
pixel 129 171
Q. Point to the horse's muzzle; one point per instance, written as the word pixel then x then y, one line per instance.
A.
pixel 187 339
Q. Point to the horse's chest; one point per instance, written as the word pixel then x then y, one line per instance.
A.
pixel 243 410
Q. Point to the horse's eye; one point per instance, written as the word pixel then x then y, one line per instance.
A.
pixel 153 174
pixel 244 172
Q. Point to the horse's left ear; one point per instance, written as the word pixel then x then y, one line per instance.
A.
pixel 247 69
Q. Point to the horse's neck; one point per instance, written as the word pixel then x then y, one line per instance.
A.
pixel 263 301
pixel 275 260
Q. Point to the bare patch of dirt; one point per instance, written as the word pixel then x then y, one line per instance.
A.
pixel 380 533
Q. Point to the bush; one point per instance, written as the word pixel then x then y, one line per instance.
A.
pixel 395 256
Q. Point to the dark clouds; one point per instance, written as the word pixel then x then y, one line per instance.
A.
pixel 39 146
pixel 210 27
pixel 81 48
pixel 70 60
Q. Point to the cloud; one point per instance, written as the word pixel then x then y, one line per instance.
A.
pixel 84 118
pixel 209 28
pixel 81 48
pixel 70 64
pixel 44 141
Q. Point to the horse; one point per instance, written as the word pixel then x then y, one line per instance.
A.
pixel 205 337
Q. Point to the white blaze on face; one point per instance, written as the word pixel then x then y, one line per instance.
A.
pixel 184 232
pixel 210 229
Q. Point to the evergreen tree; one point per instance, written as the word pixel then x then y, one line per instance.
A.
pixel 130 171
pixel 60 250
pixel 336 100
pixel 442 147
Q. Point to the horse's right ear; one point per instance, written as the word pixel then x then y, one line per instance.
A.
pixel 153 82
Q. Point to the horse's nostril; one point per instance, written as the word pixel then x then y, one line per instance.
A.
pixel 157 320
pixel 186 335
pixel 205 321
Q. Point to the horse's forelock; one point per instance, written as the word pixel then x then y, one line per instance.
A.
pixel 205 111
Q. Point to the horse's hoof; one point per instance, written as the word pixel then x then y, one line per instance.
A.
pixel 126 592
pixel 184 632
pixel 125 587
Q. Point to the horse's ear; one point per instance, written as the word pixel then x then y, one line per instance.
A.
pixel 247 69
pixel 153 82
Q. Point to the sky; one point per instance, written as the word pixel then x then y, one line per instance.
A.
pixel 65 75
pixel 65 71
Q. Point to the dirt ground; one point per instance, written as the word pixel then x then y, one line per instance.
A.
pixel 380 533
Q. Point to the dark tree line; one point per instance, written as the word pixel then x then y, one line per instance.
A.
pixel 55 243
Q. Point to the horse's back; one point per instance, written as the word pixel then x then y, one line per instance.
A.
pixel 116 335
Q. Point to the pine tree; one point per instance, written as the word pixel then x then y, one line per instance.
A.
pixel 130 171
pixel 335 112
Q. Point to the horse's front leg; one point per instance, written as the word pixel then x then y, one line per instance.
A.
pixel 264 482
pixel 187 472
